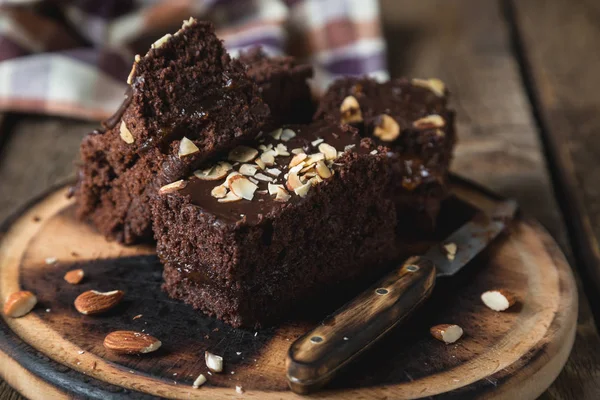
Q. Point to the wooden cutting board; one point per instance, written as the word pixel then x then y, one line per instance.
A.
pixel 54 352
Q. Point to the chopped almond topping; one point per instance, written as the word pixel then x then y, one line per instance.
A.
pixel 435 85
pixel 302 191
pixel 297 159
pixel 248 169
pixel 287 135
pixel 243 154
pixel 215 172
pixel 242 187
pixel 293 181
pixel 173 187
pixel 350 110
pixel 322 170
pixel 432 121
pixel 328 150
pixel 276 134
pixel 125 133
pixel 229 198
pixel 219 192
pixel 187 147
pixel 387 129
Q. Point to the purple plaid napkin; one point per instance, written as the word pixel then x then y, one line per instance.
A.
pixel 72 57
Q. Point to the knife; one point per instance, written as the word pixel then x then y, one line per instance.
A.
pixel 316 357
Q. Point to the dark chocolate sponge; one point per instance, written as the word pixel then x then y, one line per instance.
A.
pixel 282 83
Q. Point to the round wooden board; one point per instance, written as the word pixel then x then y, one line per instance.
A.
pixel 54 352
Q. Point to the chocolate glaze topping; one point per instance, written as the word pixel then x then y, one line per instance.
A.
pixel 114 119
pixel 262 204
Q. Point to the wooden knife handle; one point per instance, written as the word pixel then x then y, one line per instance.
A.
pixel 317 356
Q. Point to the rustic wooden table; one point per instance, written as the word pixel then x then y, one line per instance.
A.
pixel 523 76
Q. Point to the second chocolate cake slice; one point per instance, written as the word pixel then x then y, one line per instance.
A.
pixel 187 101
pixel 304 209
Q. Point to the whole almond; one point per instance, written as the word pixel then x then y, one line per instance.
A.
pixel 131 342
pixel 19 304
pixel 74 277
pixel 94 302
pixel 447 333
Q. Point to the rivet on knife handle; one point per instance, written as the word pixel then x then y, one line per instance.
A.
pixel 314 358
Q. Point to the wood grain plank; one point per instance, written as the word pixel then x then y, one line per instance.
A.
pixel 468 45
pixel 559 45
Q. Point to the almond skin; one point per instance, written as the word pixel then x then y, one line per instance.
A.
pixel 19 304
pixel 94 302
pixel 131 342
pixel 74 277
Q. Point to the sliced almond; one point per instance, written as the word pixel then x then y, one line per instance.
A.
pixel 160 42
pixel 213 362
pixel 450 250
pixel 268 157
pixel 173 187
pixel 447 333
pixel 74 277
pixel 214 173
pixel 248 169
pixel 281 150
pixel 296 169
pixel 125 133
pixel 260 163
pixel 315 180
pixel 322 170
pixel 273 188
pixel 94 302
pixel 293 182
pixel 435 85
pixel 282 195
pixel 229 198
pixel 276 134
pixel 200 380
pixel 273 171
pixel 314 158
pixel 297 150
pixel 263 177
pixel 243 154
pixel 20 303
pixel 350 110
pixel 133 69
pixel 131 342
pixel 287 134
pixel 386 128
pixel 498 300
pixel 432 121
pixel 187 147
pixel 302 191
pixel 349 147
pixel 297 159
pixel 218 192
pixel 317 142
pixel 328 150
pixel 242 187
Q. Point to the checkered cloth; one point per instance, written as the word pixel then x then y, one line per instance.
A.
pixel 72 57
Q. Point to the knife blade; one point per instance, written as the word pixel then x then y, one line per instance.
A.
pixel 317 356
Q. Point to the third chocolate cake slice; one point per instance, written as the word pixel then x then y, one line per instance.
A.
pixel 412 118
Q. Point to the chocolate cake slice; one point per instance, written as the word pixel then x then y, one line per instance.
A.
pixel 410 117
pixel 187 102
pixel 282 83
pixel 279 222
